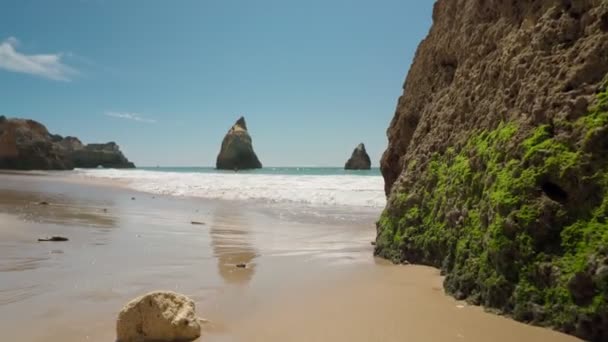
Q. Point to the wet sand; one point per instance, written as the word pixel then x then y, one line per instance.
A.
pixel 307 278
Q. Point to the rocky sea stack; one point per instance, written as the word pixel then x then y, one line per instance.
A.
pixel 497 164
pixel 28 145
pixel 359 160
pixel 237 151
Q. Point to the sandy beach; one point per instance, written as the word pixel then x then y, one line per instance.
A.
pixel 308 278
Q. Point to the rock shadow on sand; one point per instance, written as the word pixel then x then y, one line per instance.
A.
pixel 231 243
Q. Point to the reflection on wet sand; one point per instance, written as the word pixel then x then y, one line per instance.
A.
pixel 16 264
pixel 14 295
pixel 24 219
pixel 59 210
pixel 18 261
pixel 230 239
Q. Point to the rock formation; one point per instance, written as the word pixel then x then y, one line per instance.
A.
pixel 158 317
pixel 27 145
pixel 105 155
pixel 359 160
pixel 237 152
pixel 497 164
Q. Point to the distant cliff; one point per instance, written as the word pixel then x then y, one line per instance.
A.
pixel 28 145
pixel 497 163
pixel 106 155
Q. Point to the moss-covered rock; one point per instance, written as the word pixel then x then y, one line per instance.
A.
pixel 516 223
pixel 496 162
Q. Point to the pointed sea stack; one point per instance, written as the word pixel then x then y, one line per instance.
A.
pixel 359 160
pixel 237 151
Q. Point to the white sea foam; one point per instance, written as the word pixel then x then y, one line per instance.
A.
pixel 339 190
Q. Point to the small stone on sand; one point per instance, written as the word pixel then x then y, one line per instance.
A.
pixel 241 265
pixel 197 223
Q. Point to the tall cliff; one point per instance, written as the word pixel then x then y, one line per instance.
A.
pixel 497 164
pixel 28 145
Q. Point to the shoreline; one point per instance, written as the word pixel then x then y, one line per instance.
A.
pixel 308 211
pixel 302 274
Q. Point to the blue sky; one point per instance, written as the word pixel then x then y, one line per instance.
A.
pixel 166 79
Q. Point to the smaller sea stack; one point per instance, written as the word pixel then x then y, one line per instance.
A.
pixel 237 151
pixel 359 160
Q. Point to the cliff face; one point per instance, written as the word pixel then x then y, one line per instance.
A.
pixel 237 150
pixel 27 145
pixel 497 164
pixel 106 155
pixel 359 160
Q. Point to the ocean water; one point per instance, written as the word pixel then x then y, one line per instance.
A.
pixel 310 186
pixel 296 171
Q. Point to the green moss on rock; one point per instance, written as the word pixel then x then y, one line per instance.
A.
pixel 518 222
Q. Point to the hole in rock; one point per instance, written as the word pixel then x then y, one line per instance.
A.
pixel 554 192
pixel 448 68
pixel 604 22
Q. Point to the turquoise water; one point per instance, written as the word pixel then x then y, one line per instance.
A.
pixel 296 171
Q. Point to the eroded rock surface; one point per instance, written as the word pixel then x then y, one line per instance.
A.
pixel 497 164
pixel 105 155
pixel 237 150
pixel 28 145
pixel 158 317
pixel 359 160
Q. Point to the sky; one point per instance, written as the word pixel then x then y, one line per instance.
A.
pixel 167 79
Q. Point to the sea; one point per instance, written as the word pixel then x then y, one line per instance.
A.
pixel 309 186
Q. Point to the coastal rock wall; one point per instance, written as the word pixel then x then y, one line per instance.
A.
pixel 497 164
pixel 93 155
pixel 28 145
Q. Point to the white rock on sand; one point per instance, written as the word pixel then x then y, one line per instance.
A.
pixel 158 316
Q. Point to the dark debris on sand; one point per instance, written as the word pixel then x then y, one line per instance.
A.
pixel 54 239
